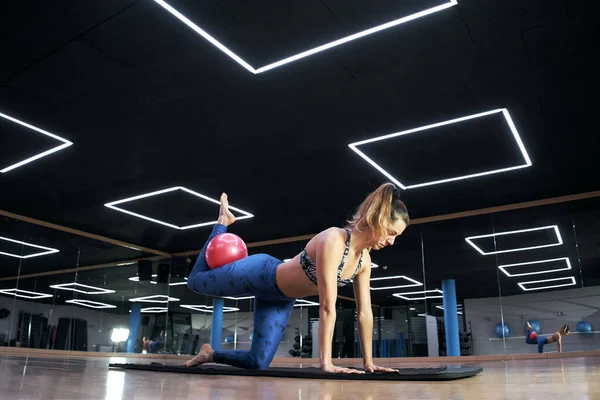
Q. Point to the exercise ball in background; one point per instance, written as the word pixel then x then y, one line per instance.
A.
pixel 502 330
pixel 584 327
pixel 535 327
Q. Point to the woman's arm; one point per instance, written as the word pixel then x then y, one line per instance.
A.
pixel 362 294
pixel 330 247
pixel 559 343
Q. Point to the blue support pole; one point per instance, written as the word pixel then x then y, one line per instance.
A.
pixel 217 323
pixel 134 323
pixel 450 318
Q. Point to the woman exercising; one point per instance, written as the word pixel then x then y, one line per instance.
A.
pixel 333 258
pixel 533 338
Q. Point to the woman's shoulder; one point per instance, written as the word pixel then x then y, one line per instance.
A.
pixel 332 235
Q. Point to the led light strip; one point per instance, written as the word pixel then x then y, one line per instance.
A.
pixel 413 284
pixel 570 278
pixel 545 271
pixel 403 295
pixel 207 309
pixel 303 54
pixel 89 303
pixel 154 310
pixel 305 303
pixel 239 298
pixel 149 299
pixel 65 144
pixel 15 292
pixel 73 287
pixel 555 227
pixel 113 204
pixel 49 250
pixel 504 111
pixel 442 308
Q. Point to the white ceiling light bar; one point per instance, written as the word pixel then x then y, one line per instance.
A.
pixel 406 295
pixel 559 240
pixel 159 298
pixel 43 253
pixel 207 309
pixel 74 287
pixel 239 298
pixel 113 204
pixel 89 303
pixel 137 279
pixel 25 294
pixel 504 111
pixel 305 303
pixel 412 283
pixel 65 144
pixel 358 35
pixel 154 310
pixel 442 308
pixel 567 266
pixel 570 279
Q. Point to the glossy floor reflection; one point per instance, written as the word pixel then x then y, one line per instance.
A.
pixel 90 378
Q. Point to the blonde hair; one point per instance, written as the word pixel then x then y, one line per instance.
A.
pixel 380 209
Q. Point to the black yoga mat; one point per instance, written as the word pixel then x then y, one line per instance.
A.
pixel 403 374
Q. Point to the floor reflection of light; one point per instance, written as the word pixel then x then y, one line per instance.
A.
pixel 115 382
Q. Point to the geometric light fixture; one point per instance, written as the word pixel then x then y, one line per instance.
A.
pixel 566 281
pixel 65 143
pixel 184 282
pixel 559 240
pixel 421 295
pixel 90 304
pixel 154 310
pixel 43 253
pixel 526 159
pixel 74 287
pixel 442 308
pixel 504 268
pixel 207 309
pixel 315 50
pixel 159 298
pixel 238 298
pixel 137 279
pixel 305 303
pixel 113 205
pixel 411 283
pixel 25 294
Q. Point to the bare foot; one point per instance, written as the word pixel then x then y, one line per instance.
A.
pixel 205 355
pixel 225 216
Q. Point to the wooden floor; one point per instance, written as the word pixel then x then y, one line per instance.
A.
pixel 48 377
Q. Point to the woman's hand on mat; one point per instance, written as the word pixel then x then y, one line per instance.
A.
pixel 374 368
pixel 340 370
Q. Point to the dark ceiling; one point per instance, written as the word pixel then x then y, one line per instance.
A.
pixel 151 105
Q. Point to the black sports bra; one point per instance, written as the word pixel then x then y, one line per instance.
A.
pixel 309 266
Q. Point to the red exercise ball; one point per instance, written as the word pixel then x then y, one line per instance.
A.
pixel 533 335
pixel 225 248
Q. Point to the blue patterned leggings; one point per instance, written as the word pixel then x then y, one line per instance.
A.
pixel 253 275
pixel 540 341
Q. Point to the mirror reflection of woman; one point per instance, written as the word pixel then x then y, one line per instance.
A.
pixel 533 338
